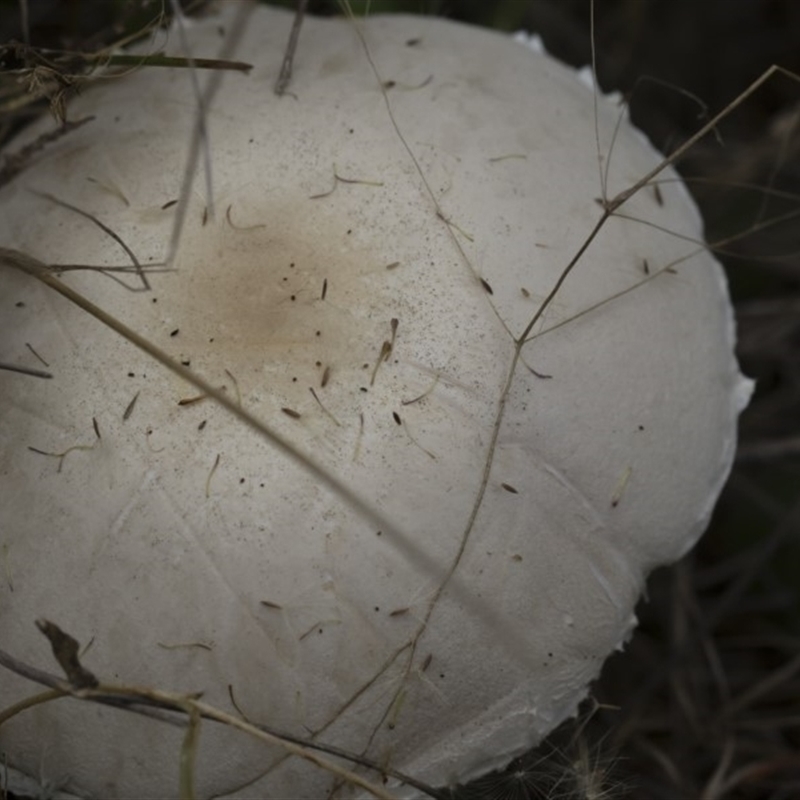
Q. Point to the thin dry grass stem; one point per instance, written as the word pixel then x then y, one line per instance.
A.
pixel 742 742
pixel 203 100
pixel 72 65
pixel 34 373
pixel 359 758
pixel 698 665
pixel 783 675
pixel 695 625
pixel 689 635
pixel 786 139
pixel 29 702
pixel 713 658
pixel 712 789
pixel 641 81
pixel 612 206
pixel 772 508
pixel 285 75
pixel 783 768
pixel 684 712
pixel 199 144
pixel 567 766
pixel 35 73
pixel 188 706
pixel 787 527
pixel 103 227
pixel 504 630
pixel 14 163
pixel 188 754
pixel 209 712
pixel 728 183
pixel 174 62
pixel 720 246
pixel 711 125
pixel 400 539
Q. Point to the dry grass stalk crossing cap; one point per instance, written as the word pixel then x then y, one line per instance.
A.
pixel 380 243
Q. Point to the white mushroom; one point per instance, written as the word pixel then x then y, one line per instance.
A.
pixel 382 242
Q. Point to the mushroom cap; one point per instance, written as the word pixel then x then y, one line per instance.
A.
pixel 521 513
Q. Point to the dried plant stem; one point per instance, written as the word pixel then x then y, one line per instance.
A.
pixel 130 697
pixel 400 539
pixel 291 47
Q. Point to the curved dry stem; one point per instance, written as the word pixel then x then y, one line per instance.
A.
pixel 711 125
pixel 145 700
pixel 30 702
pixel 103 227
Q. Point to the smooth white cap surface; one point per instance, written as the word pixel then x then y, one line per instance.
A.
pixel 549 498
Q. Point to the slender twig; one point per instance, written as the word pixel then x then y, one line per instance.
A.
pixel 200 139
pixel 132 698
pixel 103 227
pixel 35 373
pixel 196 148
pixel 291 47
pixel 14 163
